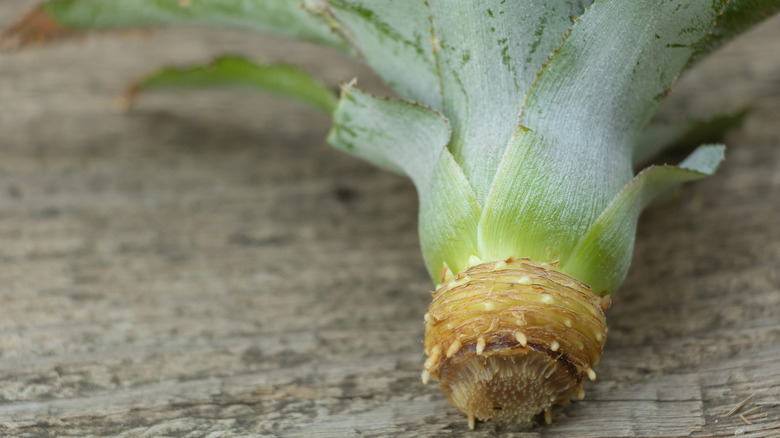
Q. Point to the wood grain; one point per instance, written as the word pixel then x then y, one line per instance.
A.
pixel 204 266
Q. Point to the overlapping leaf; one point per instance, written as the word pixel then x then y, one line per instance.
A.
pixel 488 53
pixel 603 255
pixel 400 136
pixel 410 139
pixel 393 37
pixel 582 115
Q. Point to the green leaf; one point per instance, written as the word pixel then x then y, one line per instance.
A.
pixel 410 139
pixel 603 255
pixel 488 53
pixel 614 69
pixel 658 137
pixel 533 210
pixel 402 137
pixel 449 216
pixel 281 17
pixel 237 72
pixel 737 17
pixel 393 36
pixel 573 153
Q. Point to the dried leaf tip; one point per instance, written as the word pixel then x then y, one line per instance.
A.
pixel 37 27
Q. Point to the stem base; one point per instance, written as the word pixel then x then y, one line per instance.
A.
pixel 506 340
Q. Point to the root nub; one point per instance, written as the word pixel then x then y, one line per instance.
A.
pixel 519 337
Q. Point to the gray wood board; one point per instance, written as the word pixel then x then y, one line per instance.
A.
pixel 204 266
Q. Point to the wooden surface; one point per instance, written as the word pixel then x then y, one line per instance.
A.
pixel 204 266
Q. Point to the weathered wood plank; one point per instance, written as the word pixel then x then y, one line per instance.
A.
pixel 202 266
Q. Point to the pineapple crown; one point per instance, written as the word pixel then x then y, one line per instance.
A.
pixel 519 122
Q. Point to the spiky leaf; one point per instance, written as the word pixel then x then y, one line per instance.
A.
pixel 582 114
pixel 282 17
pixel 237 72
pixel 400 136
pixel 602 257
pixel 488 53
pixel 393 37
pixel 411 139
pixel 737 17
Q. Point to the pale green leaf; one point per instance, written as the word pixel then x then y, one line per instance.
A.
pixel 410 139
pixel 614 69
pixel 281 17
pixel 237 72
pixel 488 53
pixel 400 136
pixel 603 255
pixel 582 116
pixel 533 210
pixel 737 17
pixel 449 215
pixel 393 37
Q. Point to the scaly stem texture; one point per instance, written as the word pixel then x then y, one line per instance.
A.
pixel 508 339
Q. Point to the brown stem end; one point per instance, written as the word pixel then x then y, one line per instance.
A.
pixel 507 340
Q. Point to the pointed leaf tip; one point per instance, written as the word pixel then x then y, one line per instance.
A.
pixel 705 160
pixel 37 27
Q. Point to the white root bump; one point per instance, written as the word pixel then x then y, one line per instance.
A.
pixel 480 345
pixel 454 347
pixel 520 336
pixel 433 357
pixel 554 346
pixel 524 280
pixel 474 260
pixel 591 374
pixel 581 393
pixel 472 421
pixel 426 377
